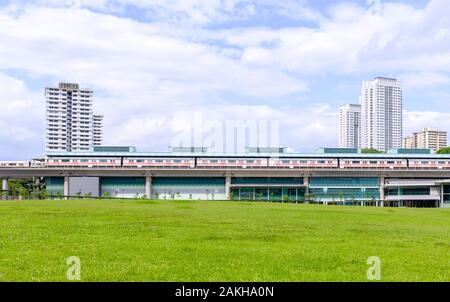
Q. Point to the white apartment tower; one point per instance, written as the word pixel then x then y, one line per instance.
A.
pixel 381 114
pixel 350 126
pixel 70 123
pixel 97 133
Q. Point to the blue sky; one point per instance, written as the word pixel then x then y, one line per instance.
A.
pixel 155 64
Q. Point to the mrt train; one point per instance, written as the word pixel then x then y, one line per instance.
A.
pixel 238 163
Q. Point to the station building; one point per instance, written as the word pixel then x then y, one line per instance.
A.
pixel 416 178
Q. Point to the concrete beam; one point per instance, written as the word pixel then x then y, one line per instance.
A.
pixel 148 187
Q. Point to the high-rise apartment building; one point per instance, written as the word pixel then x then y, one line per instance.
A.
pixel 70 123
pixel 350 126
pixel 409 142
pixel 381 114
pixel 426 139
pixel 97 134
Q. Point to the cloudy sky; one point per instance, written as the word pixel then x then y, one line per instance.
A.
pixel 156 64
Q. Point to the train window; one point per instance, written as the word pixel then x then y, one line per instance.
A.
pixel 373 162
pixel 425 162
pixel 232 161
pixel 391 162
pixel 65 161
pixel 177 161
pixel 139 161
pixel 356 162
pixel 286 161
pixel 159 161
pixel 442 162
pixel 214 161
pixel 103 161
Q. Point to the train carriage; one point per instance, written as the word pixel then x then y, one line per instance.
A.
pixel 159 163
pixel 83 162
pixel 349 163
pixel 241 163
pixel 429 163
pixel 14 164
pixel 292 163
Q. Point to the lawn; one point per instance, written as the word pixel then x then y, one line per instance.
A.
pixel 220 241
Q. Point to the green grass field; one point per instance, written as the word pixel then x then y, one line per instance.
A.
pixel 220 241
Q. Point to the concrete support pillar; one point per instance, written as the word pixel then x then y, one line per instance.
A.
pixel 306 184
pixel 66 186
pixel 148 187
pixel 228 187
pixel 5 188
pixel 382 187
pixel 5 185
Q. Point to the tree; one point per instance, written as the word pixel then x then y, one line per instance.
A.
pixel 24 193
pixel 106 195
pixel 444 151
pixel 371 151
pixel 44 194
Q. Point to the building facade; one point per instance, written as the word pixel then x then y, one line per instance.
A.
pixel 97 129
pixel 381 114
pixel 350 126
pixel 70 123
pixel 410 178
pixel 426 139
pixel 409 142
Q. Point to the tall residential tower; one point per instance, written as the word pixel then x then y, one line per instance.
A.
pixel 70 123
pixel 350 126
pixel 381 114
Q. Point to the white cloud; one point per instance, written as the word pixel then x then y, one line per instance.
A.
pixel 21 120
pixel 353 40
pixel 422 80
